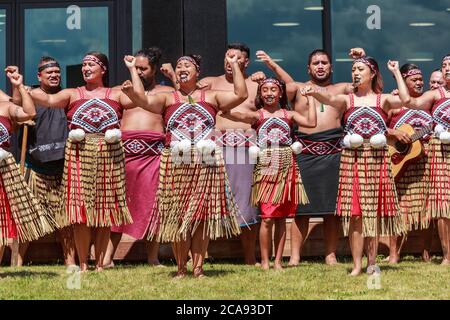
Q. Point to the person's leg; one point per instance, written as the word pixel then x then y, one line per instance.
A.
pixel 394 249
pixel 443 230
pixel 152 253
pixel 427 236
pixel 299 232
pixel 248 242
pixel 68 245
pixel 113 243
pixel 279 241
pixel 82 237
pixel 265 242
pixel 331 227
pixel 102 235
pixel 356 244
pixel 372 250
pixel 23 247
pixel 2 251
pixel 199 246
pixel 180 250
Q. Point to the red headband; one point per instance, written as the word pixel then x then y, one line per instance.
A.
pixel 445 58
pixel 271 80
pixel 411 72
pixel 92 58
pixel 367 63
pixel 191 60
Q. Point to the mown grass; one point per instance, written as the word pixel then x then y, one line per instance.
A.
pixel 411 279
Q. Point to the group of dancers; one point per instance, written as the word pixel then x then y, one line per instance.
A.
pixel 224 156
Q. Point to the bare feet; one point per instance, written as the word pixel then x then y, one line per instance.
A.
pixel 278 266
pixel 331 259
pixel 293 262
pixel 445 262
pixel 99 269
pixel 265 265
pixel 154 263
pixel 426 256
pixel 84 267
pixel 355 272
pixel 180 274
pixel 109 265
pixel 198 273
pixel 394 259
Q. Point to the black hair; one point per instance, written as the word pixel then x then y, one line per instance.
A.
pixel 153 55
pixel 45 59
pixel 407 67
pixel 240 46
pixel 317 52
pixel 377 80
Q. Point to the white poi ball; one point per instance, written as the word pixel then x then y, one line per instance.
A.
pixel 378 141
pixel 444 137
pixel 113 135
pixel 296 147
pixel 356 140
pixel 184 145
pixel 77 135
pixel 438 129
pixel 346 142
pixel 3 154
pixel 253 152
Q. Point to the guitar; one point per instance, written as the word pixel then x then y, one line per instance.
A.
pixel 403 154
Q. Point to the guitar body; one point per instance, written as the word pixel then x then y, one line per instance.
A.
pixel 404 154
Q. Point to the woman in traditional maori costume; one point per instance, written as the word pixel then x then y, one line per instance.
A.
pixel 194 199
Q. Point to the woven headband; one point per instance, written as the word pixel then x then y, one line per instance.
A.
pixel 445 58
pixel 191 60
pixel 96 60
pixel 48 65
pixel 367 63
pixel 411 72
pixel 271 80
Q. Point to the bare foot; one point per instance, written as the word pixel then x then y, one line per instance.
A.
pixel 355 272
pixel 394 259
pixel 84 267
pixel 426 256
pixel 331 259
pixel 109 265
pixel 198 273
pixel 265 266
pixel 180 274
pixel 293 262
pixel 445 262
pixel 278 266
pixel 154 263
pixel 99 269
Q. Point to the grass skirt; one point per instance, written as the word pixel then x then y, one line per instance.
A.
pixel 437 170
pixel 367 189
pixel 21 215
pixel 193 190
pixel 93 187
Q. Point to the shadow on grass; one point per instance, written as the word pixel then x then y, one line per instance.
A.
pixel 24 273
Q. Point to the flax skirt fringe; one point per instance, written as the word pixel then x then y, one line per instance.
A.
pixel 93 187
pixel 438 180
pixel 47 189
pixel 411 189
pixel 21 216
pixel 191 192
pixel 276 178
pixel 367 189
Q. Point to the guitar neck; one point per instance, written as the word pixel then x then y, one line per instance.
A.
pixel 419 134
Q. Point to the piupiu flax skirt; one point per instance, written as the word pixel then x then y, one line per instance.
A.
pixel 437 204
pixel 411 190
pixel 21 215
pixel 47 189
pixel 93 187
pixel 277 183
pixel 367 189
pixel 193 191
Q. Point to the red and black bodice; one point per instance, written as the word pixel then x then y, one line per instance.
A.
pixel 366 121
pixel 441 110
pixel 5 132
pixel 94 115
pixel 191 121
pixel 273 131
pixel 417 119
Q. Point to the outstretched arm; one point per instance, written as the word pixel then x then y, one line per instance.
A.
pixel 275 67
pixel 248 117
pixel 338 101
pixel 227 100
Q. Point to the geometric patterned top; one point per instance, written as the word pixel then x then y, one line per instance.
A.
pixel 94 115
pixel 194 122
pixel 441 110
pixel 366 121
pixel 273 130
pixel 417 119
pixel 5 132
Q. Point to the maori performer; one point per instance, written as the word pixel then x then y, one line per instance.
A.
pixel 277 186
pixel 320 156
pixel 436 79
pixel 143 140
pixel 366 200
pixel 93 196
pixel 236 137
pixel 437 169
pixel 21 215
pixel 194 199
pixel 411 185
pixel 45 156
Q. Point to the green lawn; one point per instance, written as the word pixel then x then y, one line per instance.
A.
pixel 411 279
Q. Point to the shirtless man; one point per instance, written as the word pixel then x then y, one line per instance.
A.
pixel 320 158
pixel 238 166
pixel 143 139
